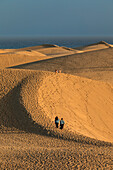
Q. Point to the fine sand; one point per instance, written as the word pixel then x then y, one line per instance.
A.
pixel 32 94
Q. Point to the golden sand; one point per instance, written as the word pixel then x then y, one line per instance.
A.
pixel 32 94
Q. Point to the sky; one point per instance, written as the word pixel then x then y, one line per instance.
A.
pixel 56 17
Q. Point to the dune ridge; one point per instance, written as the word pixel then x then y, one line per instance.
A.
pixel 12 57
pixel 42 102
pixel 96 46
pixel 30 54
pixel 95 65
pixel 32 94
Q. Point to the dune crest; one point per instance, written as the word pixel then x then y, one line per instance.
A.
pixel 92 47
pixel 13 57
pixel 43 95
pixel 30 99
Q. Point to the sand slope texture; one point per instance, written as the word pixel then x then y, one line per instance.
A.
pixel 32 94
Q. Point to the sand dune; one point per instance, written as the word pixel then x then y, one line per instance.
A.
pixel 30 98
pixel 44 95
pixel 74 99
pixel 96 46
pixel 30 54
pixel 97 65
pixel 6 50
pixel 56 51
pixel 21 56
pixel 15 58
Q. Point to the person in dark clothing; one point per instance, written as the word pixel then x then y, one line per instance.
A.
pixel 62 123
pixel 56 121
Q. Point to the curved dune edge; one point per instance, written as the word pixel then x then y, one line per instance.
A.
pixel 20 57
pixel 92 47
pixel 85 105
pixel 21 111
pixel 14 57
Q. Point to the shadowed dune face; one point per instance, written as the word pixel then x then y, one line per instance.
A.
pixel 13 114
pixel 30 100
pixel 13 57
pixel 97 65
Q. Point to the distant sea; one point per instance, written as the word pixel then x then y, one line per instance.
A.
pixel 15 43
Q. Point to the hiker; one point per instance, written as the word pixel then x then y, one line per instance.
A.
pixel 62 123
pixel 56 71
pixel 56 121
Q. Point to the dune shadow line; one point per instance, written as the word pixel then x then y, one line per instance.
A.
pixel 13 114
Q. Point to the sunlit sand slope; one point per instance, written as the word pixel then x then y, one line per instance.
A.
pixel 96 65
pixel 85 105
pixel 12 57
pixel 6 51
pixel 30 100
pixel 57 51
pixel 21 57
pixel 96 46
